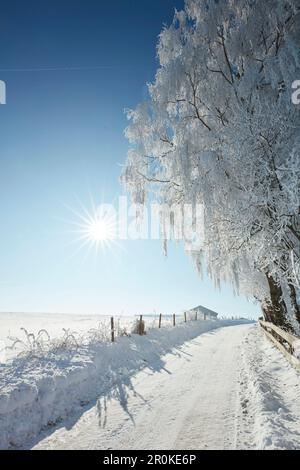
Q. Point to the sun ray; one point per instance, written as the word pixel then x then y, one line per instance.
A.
pixel 95 228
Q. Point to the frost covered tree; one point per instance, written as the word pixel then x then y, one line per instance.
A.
pixel 219 129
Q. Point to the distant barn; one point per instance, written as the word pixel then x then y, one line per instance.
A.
pixel 203 312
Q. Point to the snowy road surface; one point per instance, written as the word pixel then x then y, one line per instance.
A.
pixel 211 394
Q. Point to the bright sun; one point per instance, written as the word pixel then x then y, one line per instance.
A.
pixel 96 228
pixel 99 230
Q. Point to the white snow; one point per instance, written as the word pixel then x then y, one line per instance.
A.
pixel 195 386
pixel 81 326
pixel 270 396
pixel 187 400
pixel 54 323
pixel 39 391
pixel 10 323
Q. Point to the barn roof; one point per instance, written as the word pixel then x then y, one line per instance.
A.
pixel 204 310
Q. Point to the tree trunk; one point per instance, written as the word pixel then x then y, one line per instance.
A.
pixel 275 309
pixel 295 306
pixel 266 312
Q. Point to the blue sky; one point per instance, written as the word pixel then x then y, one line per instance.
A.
pixel 62 139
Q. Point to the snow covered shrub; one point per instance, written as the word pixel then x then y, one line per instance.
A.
pixel 139 327
pixel 67 342
pixel 121 330
pixel 37 346
pixel 101 334
pixel 31 345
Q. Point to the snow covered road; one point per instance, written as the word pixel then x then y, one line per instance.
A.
pixel 226 389
pixel 192 403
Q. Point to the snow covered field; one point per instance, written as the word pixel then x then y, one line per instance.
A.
pixel 226 389
pixel 80 326
pixel 37 392
pixel 201 385
pixel 10 323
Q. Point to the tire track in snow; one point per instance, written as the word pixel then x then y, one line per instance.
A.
pixel 193 403
pixel 269 395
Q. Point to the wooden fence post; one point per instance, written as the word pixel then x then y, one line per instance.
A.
pixel 141 325
pixel 174 320
pixel 196 317
pixel 184 317
pixel 159 321
pixel 112 326
pixel 283 340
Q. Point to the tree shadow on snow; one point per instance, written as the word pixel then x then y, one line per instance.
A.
pixel 114 367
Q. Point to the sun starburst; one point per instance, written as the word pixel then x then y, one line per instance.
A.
pixel 95 227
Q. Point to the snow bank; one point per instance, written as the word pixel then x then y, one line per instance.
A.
pixel 36 393
pixel 270 396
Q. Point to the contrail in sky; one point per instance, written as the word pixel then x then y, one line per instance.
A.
pixel 55 69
